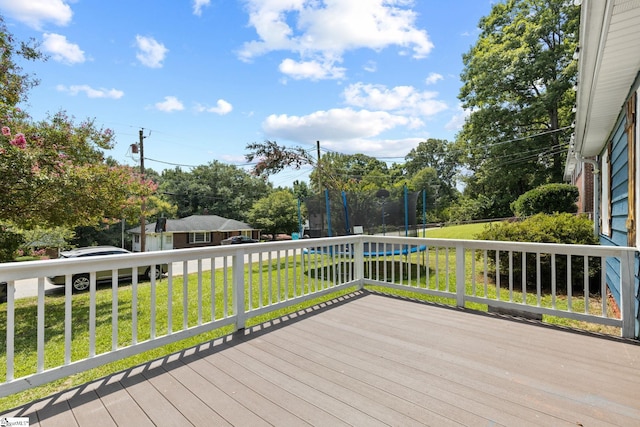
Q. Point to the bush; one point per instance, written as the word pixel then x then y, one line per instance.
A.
pixel 549 198
pixel 563 228
pixel 9 244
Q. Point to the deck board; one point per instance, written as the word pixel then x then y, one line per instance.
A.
pixel 371 360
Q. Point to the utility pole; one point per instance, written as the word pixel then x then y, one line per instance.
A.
pixel 318 167
pixel 143 224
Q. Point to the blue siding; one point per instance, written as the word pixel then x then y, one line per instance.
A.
pixel 619 204
pixel 619 214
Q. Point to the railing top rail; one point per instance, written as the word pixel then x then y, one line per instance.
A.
pixel 29 269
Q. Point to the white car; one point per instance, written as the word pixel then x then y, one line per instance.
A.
pixel 80 282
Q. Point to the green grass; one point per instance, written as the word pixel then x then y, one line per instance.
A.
pixel 465 231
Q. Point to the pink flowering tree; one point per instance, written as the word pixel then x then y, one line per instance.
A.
pixel 54 173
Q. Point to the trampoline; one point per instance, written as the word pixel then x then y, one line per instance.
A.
pixel 370 249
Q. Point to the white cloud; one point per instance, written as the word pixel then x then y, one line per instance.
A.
pixel 91 92
pixel 312 70
pixel 433 78
pixel 198 5
pixel 170 103
pixel 371 67
pixel 320 32
pixel 334 124
pixel 35 13
pixel 62 50
pixel 458 119
pixel 400 99
pixel 150 52
pixel 222 107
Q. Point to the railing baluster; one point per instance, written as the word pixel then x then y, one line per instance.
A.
pixel 92 314
pixel 569 285
pixel 486 273
pixel 250 280
pixel 446 275
pixel 260 281
pixel 270 278
pixel 185 294
pixel 11 330
pixel 68 296
pixel 586 283
pixel 170 298
pixel 213 288
pixel 153 303
pixel 114 310
pixel 134 309
pixel 40 324
pixel 497 275
pixel 553 281
pixel 510 276
pixel 199 291
pixel 225 288
pixel 603 286
pixel 538 280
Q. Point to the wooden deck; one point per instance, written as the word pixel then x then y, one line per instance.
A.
pixel 370 360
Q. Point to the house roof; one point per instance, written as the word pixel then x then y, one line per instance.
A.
pixel 196 223
pixel 608 64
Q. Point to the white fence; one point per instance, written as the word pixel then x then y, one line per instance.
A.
pixel 211 288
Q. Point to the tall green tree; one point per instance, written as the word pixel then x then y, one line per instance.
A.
pixel 517 85
pixel 214 189
pixel 339 172
pixel 275 213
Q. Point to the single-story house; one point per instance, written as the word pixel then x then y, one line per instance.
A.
pixel 606 124
pixel 190 232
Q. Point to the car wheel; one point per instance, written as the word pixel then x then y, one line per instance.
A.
pixel 156 272
pixel 80 283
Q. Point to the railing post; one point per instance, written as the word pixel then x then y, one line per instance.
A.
pixel 627 294
pixel 358 260
pixel 238 289
pixel 460 273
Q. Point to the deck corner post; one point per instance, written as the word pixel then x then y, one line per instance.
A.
pixel 627 294
pixel 460 273
pixel 238 290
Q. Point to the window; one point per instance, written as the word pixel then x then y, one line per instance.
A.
pixel 199 237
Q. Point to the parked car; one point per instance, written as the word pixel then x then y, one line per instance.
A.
pixel 235 240
pixel 80 282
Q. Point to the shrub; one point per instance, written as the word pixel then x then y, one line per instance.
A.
pixel 549 198
pixel 563 228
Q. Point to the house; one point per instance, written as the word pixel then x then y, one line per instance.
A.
pixel 606 124
pixel 190 232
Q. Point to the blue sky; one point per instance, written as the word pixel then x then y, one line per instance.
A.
pixel 204 78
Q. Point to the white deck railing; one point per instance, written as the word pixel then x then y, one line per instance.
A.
pixel 224 286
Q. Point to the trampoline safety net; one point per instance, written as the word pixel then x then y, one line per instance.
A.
pixel 344 213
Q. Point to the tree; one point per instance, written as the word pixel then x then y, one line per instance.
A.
pixel 276 213
pixel 215 189
pixel 272 158
pixel 517 84
pixel 54 173
pixel 345 172
pixel 438 154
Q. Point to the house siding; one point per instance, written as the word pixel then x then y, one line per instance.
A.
pixel 620 212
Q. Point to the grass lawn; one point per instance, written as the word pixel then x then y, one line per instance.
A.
pixel 465 231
